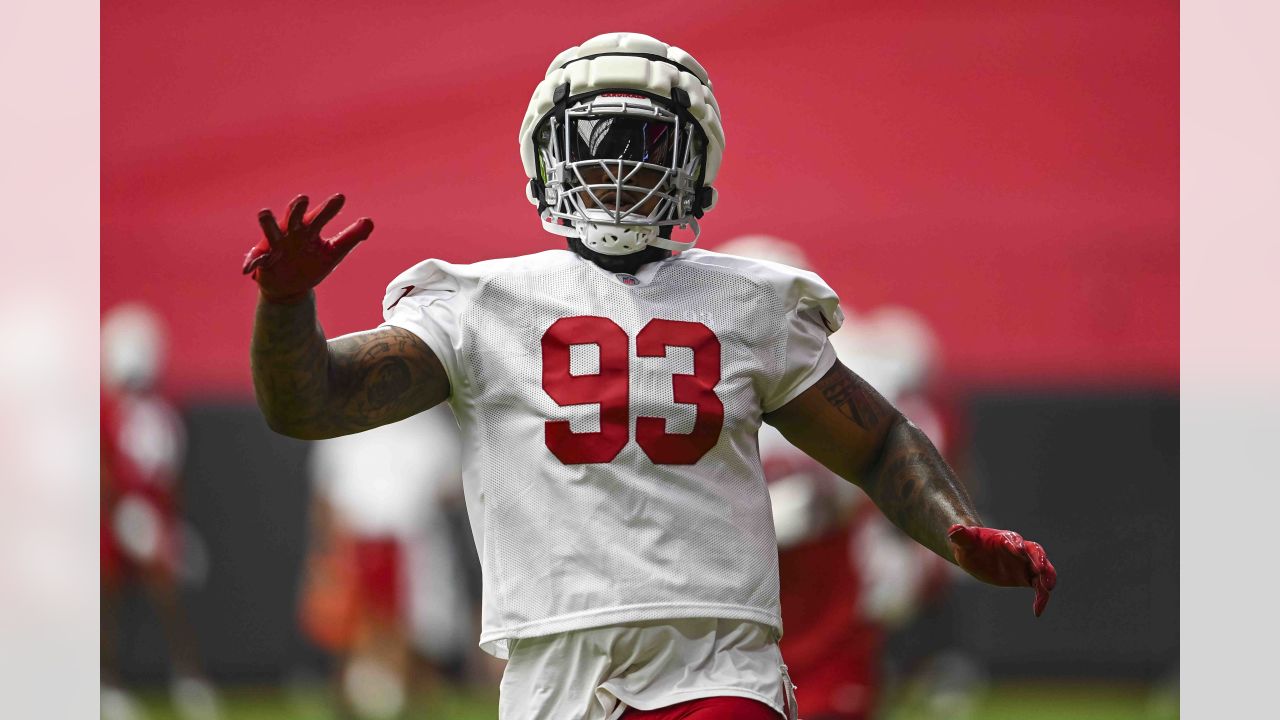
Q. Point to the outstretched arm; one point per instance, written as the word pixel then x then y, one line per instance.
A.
pixel 312 388
pixel 842 422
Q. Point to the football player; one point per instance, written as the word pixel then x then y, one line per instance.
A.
pixel 375 513
pixel 872 576
pixel 609 395
pixel 143 444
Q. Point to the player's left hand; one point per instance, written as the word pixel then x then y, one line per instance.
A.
pixel 1001 557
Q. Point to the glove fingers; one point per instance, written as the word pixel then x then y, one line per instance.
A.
pixel 256 257
pixel 352 235
pixel 1044 577
pixel 318 218
pixel 1042 595
pixel 1048 575
pixel 297 208
pixel 270 227
pixel 1036 556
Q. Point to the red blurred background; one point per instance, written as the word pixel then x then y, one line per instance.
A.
pixel 1010 169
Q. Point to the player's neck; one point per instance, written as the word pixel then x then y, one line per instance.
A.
pixel 619 263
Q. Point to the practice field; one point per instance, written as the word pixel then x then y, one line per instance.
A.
pixel 1002 702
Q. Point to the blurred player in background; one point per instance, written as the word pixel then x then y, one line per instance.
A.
pixel 142 539
pixel 381 569
pixel 609 396
pixel 846 575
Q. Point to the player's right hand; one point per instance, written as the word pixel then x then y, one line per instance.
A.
pixel 293 258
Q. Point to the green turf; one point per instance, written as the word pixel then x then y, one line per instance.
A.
pixel 1047 701
pixel 277 704
pixel 1040 701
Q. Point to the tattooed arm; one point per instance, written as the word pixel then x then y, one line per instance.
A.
pixel 312 389
pixel 846 425
pixel 842 422
pixel 309 388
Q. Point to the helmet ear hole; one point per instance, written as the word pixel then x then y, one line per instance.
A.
pixel 705 200
pixel 709 197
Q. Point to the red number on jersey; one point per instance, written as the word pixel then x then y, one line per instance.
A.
pixel 698 389
pixel 609 389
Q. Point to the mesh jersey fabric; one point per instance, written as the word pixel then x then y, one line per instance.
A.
pixel 566 546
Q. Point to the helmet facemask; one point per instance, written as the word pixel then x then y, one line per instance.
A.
pixel 617 169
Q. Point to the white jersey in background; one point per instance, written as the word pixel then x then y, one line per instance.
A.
pixel 609 428
pixel 383 480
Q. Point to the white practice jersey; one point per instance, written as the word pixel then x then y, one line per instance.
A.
pixel 384 482
pixel 609 422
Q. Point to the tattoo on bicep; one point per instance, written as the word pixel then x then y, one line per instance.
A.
pixel 388 379
pixel 854 398
pixel 379 377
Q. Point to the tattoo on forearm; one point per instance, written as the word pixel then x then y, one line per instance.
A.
pixel 887 456
pixel 904 477
pixel 288 361
pixel 854 398
pixel 916 489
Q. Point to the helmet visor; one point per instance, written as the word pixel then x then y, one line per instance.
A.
pixel 620 137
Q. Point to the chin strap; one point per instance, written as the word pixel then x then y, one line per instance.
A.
pixel 676 245
pixel 552 226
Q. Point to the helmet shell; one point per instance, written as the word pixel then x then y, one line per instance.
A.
pixel 627 61
pixel 133 345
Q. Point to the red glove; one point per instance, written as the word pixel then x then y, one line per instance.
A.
pixel 293 258
pixel 1003 558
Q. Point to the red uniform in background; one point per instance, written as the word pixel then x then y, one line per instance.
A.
pixel 830 647
pixel 847 575
pixel 142 449
pixel 847 578
pixel 377 586
pixel 831 650
pixel 143 445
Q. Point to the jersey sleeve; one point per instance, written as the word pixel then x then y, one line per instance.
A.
pixel 812 313
pixel 427 300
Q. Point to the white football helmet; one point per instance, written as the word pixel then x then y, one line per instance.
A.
pixel 621 142
pixel 133 343
pixel 767 247
pixel 892 347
